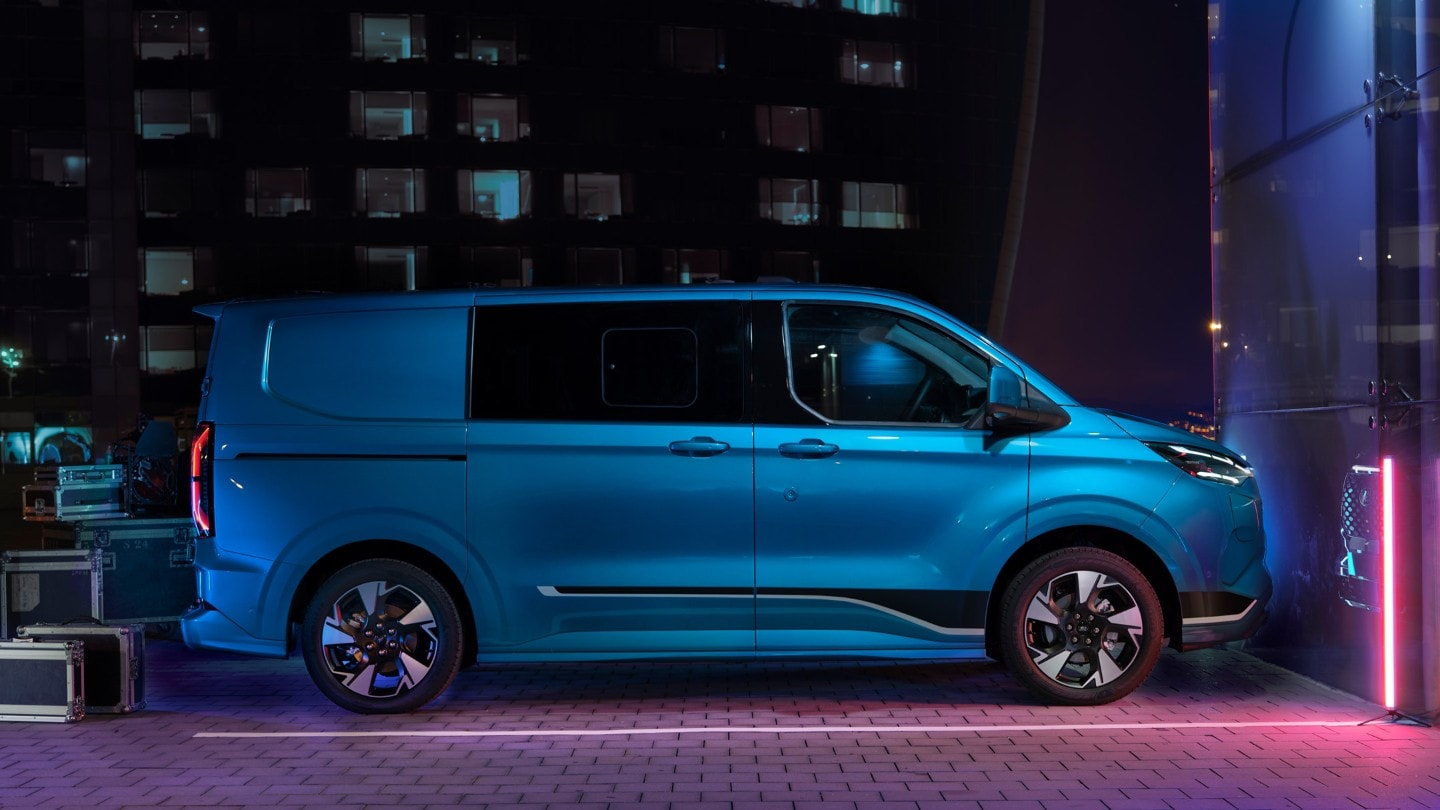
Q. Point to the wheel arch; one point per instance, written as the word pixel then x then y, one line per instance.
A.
pixel 378 549
pixel 1101 537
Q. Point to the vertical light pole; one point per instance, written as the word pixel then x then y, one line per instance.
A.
pixel 1387 580
pixel 1387 597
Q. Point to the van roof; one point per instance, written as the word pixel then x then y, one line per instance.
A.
pixel 463 296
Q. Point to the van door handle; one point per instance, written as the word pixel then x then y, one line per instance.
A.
pixel 808 448
pixel 699 447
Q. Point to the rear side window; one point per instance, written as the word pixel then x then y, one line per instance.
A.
pixel 371 364
pixel 643 362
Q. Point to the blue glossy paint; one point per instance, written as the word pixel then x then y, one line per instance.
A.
pixel 774 533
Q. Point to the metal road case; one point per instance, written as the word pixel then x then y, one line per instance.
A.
pixel 48 587
pixel 146 564
pixel 43 681
pixel 114 662
pixel 75 492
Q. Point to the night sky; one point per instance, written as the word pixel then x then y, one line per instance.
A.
pixel 1111 297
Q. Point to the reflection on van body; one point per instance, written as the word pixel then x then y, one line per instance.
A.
pixel 404 482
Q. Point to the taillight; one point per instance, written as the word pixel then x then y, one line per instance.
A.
pixel 202 479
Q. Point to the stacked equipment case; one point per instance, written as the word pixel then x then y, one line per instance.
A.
pixel 44 681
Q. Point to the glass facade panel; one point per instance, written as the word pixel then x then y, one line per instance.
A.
pixel 172 34
pixel 490 118
pixel 889 8
pixel 168 349
pixel 880 64
pixel 399 267
pixel 488 42
pixel 494 195
pixel 1326 337
pixel 591 266
pixel 691 266
pixel 165 192
pixel 276 192
pixel 693 50
pixel 795 129
pixel 875 205
pixel 790 201
pixel 796 265
pixel 172 113
pixel 62 166
pixel 378 115
pixel 496 266
pixel 389 192
pixel 51 247
pixel 593 196
pixel 387 37
pixel 174 270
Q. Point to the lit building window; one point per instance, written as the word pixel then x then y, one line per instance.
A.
pixel 797 129
pixel 594 196
pixel 391 267
pixel 276 192
pixel 490 118
pixel 377 115
pixel 880 64
pixel 789 201
pixel 489 42
pixel 387 37
pixel 694 50
pixel 60 166
pixel 389 192
pixel 494 195
pixel 165 192
pixel 687 266
pixel 172 113
pixel 875 205
pixel 174 270
pixel 797 3
pixel 172 34
pixel 884 8
pixel 168 349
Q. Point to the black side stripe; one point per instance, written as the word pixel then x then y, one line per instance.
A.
pixel 941 608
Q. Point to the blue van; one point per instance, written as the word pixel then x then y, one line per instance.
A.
pixel 404 483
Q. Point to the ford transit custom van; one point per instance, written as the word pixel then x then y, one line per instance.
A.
pixel 405 483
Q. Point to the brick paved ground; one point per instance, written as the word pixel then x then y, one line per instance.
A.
pixel 1213 729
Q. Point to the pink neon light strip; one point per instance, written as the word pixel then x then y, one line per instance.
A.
pixel 1387 576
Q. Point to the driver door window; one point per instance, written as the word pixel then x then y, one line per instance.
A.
pixel 856 364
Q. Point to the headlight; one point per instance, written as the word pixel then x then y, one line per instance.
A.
pixel 1206 465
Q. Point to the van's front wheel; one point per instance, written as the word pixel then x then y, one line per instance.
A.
pixel 381 637
pixel 1081 626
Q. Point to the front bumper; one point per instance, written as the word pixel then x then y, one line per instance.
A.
pixel 1211 630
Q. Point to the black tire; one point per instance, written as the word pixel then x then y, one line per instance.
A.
pixel 1081 627
pixel 381 637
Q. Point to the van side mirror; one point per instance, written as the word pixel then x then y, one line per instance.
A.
pixel 1009 410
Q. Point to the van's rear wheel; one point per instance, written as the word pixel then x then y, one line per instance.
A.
pixel 381 637
pixel 1081 626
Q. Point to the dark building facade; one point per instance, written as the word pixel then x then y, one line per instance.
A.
pixel 172 153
